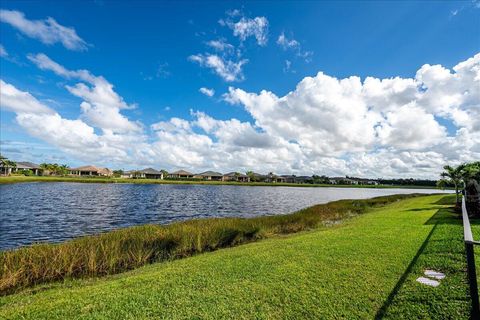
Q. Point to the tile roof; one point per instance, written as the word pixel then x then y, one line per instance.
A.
pixel 210 174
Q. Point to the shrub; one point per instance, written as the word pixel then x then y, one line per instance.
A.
pixel 27 172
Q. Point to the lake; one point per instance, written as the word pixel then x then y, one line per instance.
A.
pixel 53 212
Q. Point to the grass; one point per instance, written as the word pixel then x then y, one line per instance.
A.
pixel 443 250
pixel 125 249
pixel 475 224
pixel 17 179
pixel 363 268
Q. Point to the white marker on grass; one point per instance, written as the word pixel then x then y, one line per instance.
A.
pixel 428 282
pixel 434 274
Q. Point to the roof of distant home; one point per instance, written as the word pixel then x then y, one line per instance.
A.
pixel 28 165
pixel 258 174
pixel 238 174
pixel 150 171
pixel 182 172
pixel 86 168
pixel 91 168
pixel 210 174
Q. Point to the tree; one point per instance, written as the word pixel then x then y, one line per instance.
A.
pixel 47 168
pixel 7 165
pixel 454 176
pixel 62 170
pixel 320 179
pixel 471 180
pixel 251 175
pixel 54 169
pixel 471 171
pixel 117 173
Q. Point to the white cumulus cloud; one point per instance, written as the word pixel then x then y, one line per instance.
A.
pixel 72 136
pixel 361 127
pixel 20 101
pixel 102 105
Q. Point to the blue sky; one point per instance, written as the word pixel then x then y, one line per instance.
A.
pixel 145 49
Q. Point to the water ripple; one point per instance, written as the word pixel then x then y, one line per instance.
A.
pixel 53 212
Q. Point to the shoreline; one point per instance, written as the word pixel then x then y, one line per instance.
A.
pixel 26 179
pixel 128 248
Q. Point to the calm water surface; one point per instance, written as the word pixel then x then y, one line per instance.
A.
pixel 33 212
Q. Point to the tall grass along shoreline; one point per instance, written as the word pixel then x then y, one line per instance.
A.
pixel 125 249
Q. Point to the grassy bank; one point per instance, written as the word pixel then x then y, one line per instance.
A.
pixel 364 268
pixel 129 248
pixel 19 179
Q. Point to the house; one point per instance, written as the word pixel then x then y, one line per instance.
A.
pixel 210 175
pixel 148 173
pixel 91 171
pixel 181 174
pixel 273 178
pixel 35 168
pixel 236 176
pixel 366 181
pixel 127 174
pixel 5 171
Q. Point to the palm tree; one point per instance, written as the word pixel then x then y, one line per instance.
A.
pixel 164 172
pixel 63 169
pixel 454 175
pixel 7 165
pixel 117 173
pixel 471 171
pixel 442 184
pixel 251 175
pixel 47 168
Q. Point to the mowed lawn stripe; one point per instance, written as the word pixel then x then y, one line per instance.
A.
pixel 346 271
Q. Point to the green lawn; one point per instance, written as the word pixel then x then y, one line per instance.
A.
pixel 363 268
pixel 475 224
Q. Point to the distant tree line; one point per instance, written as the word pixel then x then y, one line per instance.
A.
pixel 410 182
